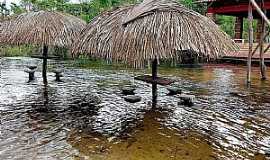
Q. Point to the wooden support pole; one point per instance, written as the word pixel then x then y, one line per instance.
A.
pixel 154 69
pixel 44 66
pixel 45 97
pixel 262 64
pixel 250 20
pixel 154 84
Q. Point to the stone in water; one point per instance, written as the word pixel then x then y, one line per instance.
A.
pixel 31 74
pixel 174 91
pixel 187 100
pixel 132 99
pixel 58 74
pixel 32 67
pixel 128 90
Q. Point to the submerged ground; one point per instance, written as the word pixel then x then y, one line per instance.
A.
pixel 228 121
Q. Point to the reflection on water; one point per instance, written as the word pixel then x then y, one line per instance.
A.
pixel 228 121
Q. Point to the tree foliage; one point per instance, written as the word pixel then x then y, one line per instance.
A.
pixel 87 9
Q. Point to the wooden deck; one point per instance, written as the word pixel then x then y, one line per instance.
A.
pixel 242 55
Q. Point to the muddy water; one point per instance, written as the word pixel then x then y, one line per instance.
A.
pixel 228 121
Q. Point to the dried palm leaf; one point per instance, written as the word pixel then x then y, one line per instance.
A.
pixel 154 29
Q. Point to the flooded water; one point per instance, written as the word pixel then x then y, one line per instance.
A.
pixel 228 121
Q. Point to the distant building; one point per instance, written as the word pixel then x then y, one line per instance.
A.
pixel 238 9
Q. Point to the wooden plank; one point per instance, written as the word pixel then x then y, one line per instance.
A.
pixel 159 80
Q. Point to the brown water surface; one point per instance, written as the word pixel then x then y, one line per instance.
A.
pixel 228 121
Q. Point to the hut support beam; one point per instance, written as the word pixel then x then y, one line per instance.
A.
pixel 44 66
pixel 250 20
pixel 154 83
pixel 262 64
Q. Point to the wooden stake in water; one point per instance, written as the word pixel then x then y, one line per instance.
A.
pixel 262 32
pixel 250 20
pixel 154 83
pixel 44 66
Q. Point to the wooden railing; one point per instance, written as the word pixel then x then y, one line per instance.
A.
pixel 240 41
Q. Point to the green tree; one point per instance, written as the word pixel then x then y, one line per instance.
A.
pixel 16 9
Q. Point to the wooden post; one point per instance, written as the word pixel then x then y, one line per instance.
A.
pixel 154 69
pixel 238 28
pixel 44 66
pixel 45 97
pixel 262 64
pixel 250 20
pixel 154 84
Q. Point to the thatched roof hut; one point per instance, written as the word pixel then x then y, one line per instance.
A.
pixel 48 28
pixel 154 29
pixel 4 22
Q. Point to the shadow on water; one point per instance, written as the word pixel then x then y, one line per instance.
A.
pixel 59 121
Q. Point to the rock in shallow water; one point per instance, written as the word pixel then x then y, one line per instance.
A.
pixel 58 74
pixel 128 90
pixel 32 67
pixel 132 99
pixel 31 74
pixel 92 99
pixel 187 100
pixel 86 101
pixel 174 91
pixel 238 94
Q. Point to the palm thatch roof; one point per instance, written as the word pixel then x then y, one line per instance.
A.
pixel 4 23
pixel 154 29
pixel 48 28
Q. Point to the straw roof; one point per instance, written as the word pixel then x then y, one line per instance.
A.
pixel 153 29
pixel 43 28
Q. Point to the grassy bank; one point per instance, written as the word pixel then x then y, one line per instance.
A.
pixel 30 50
pixel 11 51
pixel 84 62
